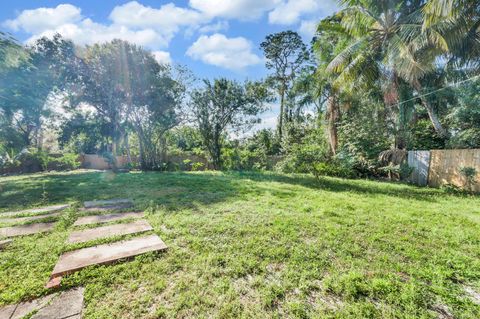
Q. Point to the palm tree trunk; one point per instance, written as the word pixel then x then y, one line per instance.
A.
pixel 391 99
pixel 441 131
pixel 332 115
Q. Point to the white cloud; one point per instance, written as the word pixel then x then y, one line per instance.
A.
pixel 89 32
pixel 132 21
pixel 289 12
pixel 228 53
pixel 219 26
pixel 234 9
pixel 308 28
pixel 41 19
pixel 162 57
pixel 167 19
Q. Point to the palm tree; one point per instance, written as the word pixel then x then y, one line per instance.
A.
pixel 459 22
pixel 330 39
pixel 389 42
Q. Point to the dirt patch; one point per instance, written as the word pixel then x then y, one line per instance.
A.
pixel 442 312
pixel 473 294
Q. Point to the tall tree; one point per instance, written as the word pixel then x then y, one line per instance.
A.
pixel 331 38
pixel 459 22
pixel 285 54
pixel 45 70
pixel 224 105
pixel 389 41
pixel 128 88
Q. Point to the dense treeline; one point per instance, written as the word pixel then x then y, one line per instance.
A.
pixel 378 78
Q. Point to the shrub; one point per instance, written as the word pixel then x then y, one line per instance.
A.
pixel 469 173
pixel 66 162
pixel 198 166
pixel 31 161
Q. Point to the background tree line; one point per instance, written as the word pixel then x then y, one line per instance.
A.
pixel 379 77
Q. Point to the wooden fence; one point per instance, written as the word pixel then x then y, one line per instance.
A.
pixel 94 161
pixel 420 162
pixel 442 167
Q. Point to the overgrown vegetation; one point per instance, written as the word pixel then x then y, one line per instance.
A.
pixel 256 245
pixel 378 75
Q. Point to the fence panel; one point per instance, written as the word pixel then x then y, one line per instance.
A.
pixel 445 167
pixel 94 161
pixel 420 162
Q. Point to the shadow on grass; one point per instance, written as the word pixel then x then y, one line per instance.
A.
pixel 173 190
pixel 178 190
pixel 367 187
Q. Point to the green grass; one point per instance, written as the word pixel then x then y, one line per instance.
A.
pixel 253 245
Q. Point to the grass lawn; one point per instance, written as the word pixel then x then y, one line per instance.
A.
pixel 260 245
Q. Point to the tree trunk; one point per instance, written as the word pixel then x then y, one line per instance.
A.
pixel 391 99
pixel 332 115
pixel 216 153
pixel 127 147
pixel 282 109
pixel 441 131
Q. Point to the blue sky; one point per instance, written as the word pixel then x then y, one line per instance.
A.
pixel 212 37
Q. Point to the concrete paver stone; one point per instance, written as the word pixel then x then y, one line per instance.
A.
pixel 96 219
pixel 109 202
pixel 36 211
pixel 82 236
pixel 28 218
pixel 76 260
pixel 22 230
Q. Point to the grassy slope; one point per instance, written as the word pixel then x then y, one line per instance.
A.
pixel 261 245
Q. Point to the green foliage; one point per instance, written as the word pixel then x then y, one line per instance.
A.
pixel 465 119
pixel 362 138
pixel 223 105
pixel 424 137
pixel 84 134
pixel 285 55
pixel 470 175
pixel 198 166
pixel 184 139
pixel 33 160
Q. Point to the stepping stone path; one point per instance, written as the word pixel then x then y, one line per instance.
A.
pixel 33 215
pixel 82 236
pixel 22 230
pixel 108 203
pixel 108 253
pixel 103 254
pixel 63 305
pixel 96 219
pixel 36 211
pixel 28 218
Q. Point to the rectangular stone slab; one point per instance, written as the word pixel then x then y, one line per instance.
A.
pixel 95 219
pixel 104 254
pixel 106 208
pixel 68 304
pixel 25 229
pixel 82 236
pixel 24 308
pixel 109 202
pixel 28 218
pixel 36 211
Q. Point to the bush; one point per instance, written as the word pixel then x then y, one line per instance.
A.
pixel 470 174
pixel 31 161
pixel 333 169
pixel 198 166
pixel 66 162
